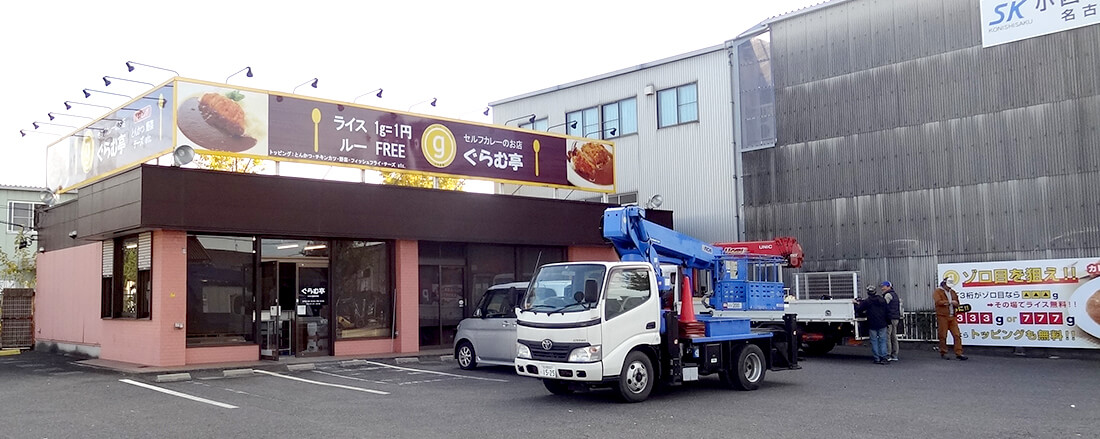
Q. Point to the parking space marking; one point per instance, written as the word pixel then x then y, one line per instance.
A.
pixel 179 394
pixel 319 383
pixel 409 369
pixel 350 378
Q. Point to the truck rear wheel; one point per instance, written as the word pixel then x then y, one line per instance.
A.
pixel 748 368
pixel 636 379
pixel 557 387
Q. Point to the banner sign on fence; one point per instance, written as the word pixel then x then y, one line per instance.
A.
pixel 1053 303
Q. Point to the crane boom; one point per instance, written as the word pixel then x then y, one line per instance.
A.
pixel 638 239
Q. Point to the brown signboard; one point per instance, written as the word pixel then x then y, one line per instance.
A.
pixel 231 121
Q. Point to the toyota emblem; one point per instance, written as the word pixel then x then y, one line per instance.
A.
pixel 547 344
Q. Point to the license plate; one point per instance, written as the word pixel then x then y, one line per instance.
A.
pixel 549 372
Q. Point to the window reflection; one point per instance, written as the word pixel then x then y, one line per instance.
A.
pixel 364 303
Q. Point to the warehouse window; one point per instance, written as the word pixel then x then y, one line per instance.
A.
pixel 21 216
pixel 538 125
pixel 620 118
pixel 677 105
pixel 127 287
pixel 588 123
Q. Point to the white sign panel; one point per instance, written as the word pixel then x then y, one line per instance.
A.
pixel 1005 21
pixel 1052 303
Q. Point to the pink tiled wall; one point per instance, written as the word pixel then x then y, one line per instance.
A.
pixel 223 354
pixel 66 300
pixel 155 341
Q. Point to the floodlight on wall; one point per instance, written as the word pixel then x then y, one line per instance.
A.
pixel 654 202
pixel 486 112
pixel 54 115
pixel 311 82
pixel 69 105
pixel 130 67
pixel 431 102
pixel 530 119
pixel 88 93
pixel 183 155
pixel 247 70
pixel 107 81
pixel 73 234
pixel 48 197
pixel 572 125
pixel 379 94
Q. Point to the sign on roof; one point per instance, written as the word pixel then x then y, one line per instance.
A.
pixel 1005 21
pixel 216 119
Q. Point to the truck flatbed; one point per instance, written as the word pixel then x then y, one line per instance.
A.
pixel 730 337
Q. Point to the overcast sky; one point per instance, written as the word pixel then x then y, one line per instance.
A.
pixel 466 54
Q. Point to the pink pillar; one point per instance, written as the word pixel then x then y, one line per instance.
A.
pixel 407 282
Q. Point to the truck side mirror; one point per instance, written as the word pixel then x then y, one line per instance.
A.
pixel 591 290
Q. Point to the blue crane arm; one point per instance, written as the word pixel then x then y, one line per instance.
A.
pixel 637 239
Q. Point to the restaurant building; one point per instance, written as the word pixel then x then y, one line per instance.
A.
pixel 170 265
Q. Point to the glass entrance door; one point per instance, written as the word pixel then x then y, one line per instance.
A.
pixel 442 299
pixel 311 327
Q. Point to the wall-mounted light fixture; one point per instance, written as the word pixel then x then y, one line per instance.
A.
pixel 88 93
pixel 69 105
pixel 130 67
pixel 486 112
pixel 529 117
pixel 54 115
pixel 379 94
pixel 107 81
pixel 311 82
pixel 38 123
pixel 572 125
pixel 247 70
pixel 432 103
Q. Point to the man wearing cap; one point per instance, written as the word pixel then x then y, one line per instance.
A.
pixel 877 321
pixel 893 311
pixel 947 302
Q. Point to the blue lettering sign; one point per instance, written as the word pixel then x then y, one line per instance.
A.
pixel 1014 9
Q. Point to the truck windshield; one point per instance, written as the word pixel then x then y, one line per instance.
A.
pixel 564 288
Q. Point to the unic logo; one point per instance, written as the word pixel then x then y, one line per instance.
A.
pixel 1013 9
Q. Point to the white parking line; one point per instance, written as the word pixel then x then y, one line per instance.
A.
pixel 181 395
pixel 319 383
pixel 437 373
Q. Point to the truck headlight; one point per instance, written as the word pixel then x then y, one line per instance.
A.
pixel 587 354
pixel 522 351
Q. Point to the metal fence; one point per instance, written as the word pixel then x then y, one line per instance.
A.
pixel 919 326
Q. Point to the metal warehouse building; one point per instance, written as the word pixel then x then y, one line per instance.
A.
pixel 880 133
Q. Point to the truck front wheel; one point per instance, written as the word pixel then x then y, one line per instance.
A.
pixel 636 379
pixel 747 370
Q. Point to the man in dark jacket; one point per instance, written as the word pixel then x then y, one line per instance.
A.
pixel 874 306
pixel 893 308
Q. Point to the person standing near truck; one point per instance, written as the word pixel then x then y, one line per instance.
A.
pixel 947 303
pixel 893 311
pixel 875 308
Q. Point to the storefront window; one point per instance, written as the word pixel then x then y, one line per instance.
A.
pixel 220 289
pixel 363 287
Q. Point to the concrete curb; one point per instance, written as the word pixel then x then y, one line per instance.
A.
pixel 6 352
pixel 303 366
pixel 407 360
pixel 173 377
pixel 236 373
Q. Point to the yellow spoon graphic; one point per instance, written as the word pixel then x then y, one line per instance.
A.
pixel 535 146
pixel 316 120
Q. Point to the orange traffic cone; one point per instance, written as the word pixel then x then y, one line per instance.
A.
pixel 687 309
pixel 689 326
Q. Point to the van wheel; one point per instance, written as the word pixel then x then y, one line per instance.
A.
pixel 557 387
pixel 467 360
pixel 636 379
pixel 748 368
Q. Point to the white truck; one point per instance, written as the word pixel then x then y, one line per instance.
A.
pixel 621 325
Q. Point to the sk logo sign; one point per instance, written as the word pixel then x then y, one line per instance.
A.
pixel 1013 9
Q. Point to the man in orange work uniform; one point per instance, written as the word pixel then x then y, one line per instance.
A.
pixel 947 302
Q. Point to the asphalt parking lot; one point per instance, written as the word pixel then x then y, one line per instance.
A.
pixel 839 395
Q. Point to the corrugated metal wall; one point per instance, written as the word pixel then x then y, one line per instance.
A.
pixel 690 165
pixel 902 143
